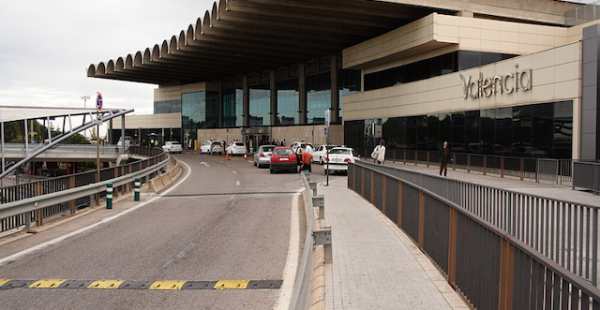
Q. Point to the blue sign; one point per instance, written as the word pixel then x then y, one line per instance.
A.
pixel 325 130
pixel 99 102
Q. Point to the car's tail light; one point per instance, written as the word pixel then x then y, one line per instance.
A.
pixel 325 159
pixel 261 155
pixel 347 160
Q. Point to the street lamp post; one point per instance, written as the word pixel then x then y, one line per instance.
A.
pixel 85 99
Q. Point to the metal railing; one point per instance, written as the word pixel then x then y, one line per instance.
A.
pixel 489 267
pixel 587 176
pixel 19 192
pixel 559 229
pixel 537 169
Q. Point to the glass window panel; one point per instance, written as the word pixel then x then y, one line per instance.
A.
pixel 288 102
pixel 233 107
pixel 468 59
pixel 318 97
pixel 563 130
pixel 348 83
pixel 260 105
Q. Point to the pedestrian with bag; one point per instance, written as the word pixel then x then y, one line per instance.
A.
pixel 445 156
pixel 378 153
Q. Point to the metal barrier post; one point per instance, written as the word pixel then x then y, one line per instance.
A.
pixel 319 202
pixel 313 186
pixel 323 236
pixel 136 195
pixel 93 200
pixel 109 196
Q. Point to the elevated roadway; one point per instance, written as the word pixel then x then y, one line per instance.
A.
pixel 63 153
pixel 226 221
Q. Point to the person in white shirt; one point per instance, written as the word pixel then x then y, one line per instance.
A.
pixel 309 149
pixel 380 149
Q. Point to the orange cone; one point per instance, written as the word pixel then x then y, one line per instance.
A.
pixel 245 158
pixel 226 155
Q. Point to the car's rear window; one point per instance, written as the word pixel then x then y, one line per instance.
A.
pixel 340 151
pixel 284 152
pixel 239 143
pixel 217 143
pixel 268 149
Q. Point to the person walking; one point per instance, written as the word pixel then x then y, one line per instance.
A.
pixel 306 160
pixel 379 153
pixel 445 156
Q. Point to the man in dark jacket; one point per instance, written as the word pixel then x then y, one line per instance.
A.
pixel 445 156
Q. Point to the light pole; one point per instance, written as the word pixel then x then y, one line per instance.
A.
pixel 85 99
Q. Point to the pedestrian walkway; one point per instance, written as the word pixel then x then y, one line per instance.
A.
pixel 375 265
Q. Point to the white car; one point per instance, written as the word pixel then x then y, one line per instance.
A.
pixel 300 145
pixel 172 147
pixel 209 145
pixel 321 152
pixel 236 148
pixel 338 159
pixel 262 157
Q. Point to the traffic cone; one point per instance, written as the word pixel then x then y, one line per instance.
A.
pixel 226 155
pixel 245 158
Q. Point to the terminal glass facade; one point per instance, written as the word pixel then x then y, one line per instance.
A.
pixel 199 110
pixel 233 107
pixel 539 130
pixel 260 105
pixel 288 102
pixel 171 106
pixel 432 67
pixel 348 83
pixel 318 97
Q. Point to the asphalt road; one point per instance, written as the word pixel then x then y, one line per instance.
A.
pixel 227 221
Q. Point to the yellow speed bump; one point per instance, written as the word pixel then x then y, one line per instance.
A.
pixel 232 285
pixel 49 283
pixel 4 281
pixel 106 284
pixel 167 285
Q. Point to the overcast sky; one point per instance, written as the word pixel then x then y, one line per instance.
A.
pixel 47 46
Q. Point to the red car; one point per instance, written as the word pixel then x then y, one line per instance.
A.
pixel 283 158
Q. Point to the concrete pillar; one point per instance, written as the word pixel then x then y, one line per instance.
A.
pixel 590 106
pixel 302 89
pixel 335 94
pixel 246 91
pixel 273 87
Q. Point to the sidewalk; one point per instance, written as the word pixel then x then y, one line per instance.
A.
pixel 375 265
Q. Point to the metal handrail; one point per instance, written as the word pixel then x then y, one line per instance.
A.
pixel 303 280
pixel 513 257
pixel 43 201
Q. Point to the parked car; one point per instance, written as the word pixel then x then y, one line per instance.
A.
pixel 320 152
pixel 209 145
pixel 283 158
pixel 262 157
pixel 172 147
pixel 127 141
pixel 300 145
pixel 205 148
pixel 338 158
pixel 216 147
pixel 236 148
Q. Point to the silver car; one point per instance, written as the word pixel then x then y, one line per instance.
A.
pixel 262 157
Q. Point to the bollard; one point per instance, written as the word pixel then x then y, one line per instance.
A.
pixel 136 194
pixel 109 196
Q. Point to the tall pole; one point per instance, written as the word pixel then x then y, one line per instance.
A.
pixel 2 147
pixel 98 145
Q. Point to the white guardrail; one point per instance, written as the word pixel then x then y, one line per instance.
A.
pixel 43 201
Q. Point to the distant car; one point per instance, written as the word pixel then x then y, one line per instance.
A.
pixel 300 145
pixel 172 147
pixel 283 158
pixel 205 148
pixel 217 147
pixel 236 148
pixel 262 157
pixel 127 142
pixel 338 158
pixel 320 152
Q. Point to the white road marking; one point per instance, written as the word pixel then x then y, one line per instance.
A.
pixel 38 247
pixel 291 264
pixel 203 163
pixel 179 256
pixel 234 172
pixel 237 183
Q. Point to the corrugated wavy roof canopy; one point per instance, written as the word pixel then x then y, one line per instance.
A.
pixel 243 36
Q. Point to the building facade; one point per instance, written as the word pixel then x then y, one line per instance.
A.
pixel 512 79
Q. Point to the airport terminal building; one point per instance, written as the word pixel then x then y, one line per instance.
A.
pixel 515 78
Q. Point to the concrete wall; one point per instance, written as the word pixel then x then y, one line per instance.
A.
pixel 166 120
pixel 437 34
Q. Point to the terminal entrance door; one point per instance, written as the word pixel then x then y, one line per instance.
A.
pixel 256 140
